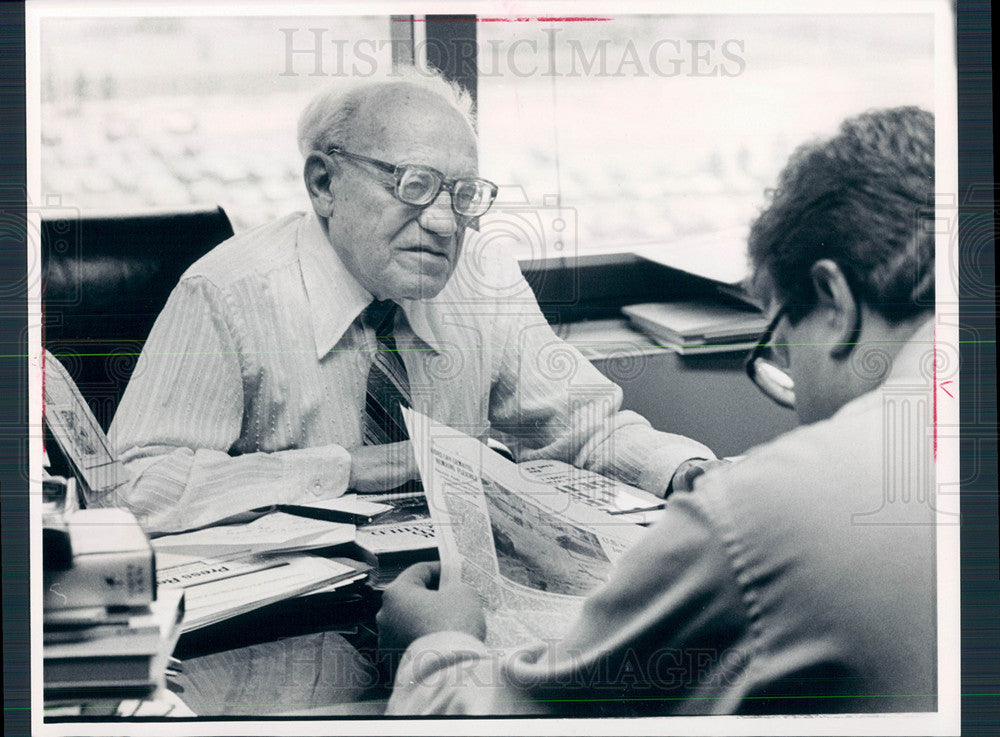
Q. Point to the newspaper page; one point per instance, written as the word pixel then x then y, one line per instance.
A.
pixel 531 551
pixel 629 503
pixel 79 435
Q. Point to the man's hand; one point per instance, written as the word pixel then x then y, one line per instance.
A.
pixel 414 606
pixel 686 473
pixel 377 468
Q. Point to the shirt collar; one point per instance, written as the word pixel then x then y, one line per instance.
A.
pixel 908 368
pixel 909 364
pixel 336 298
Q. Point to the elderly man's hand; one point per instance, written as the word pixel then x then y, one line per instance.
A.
pixel 414 606
pixel 688 471
pixel 377 468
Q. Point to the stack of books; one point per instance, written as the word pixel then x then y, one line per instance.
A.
pixel 696 327
pixel 396 539
pixel 106 633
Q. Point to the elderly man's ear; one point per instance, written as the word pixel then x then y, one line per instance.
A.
pixel 318 174
pixel 837 307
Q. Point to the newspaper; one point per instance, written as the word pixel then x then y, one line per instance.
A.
pixel 609 495
pixel 531 551
pixel 78 433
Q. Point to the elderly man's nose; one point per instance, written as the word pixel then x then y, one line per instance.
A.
pixel 438 217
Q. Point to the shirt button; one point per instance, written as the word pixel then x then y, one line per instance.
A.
pixel 317 488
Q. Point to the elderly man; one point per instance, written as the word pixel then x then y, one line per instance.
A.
pixel 801 579
pixel 276 371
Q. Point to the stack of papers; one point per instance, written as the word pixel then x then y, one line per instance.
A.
pixel 698 327
pixel 292 575
pixel 229 570
pixel 276 532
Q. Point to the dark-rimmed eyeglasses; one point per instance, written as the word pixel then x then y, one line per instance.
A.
pixel 420 185
pixel 767 366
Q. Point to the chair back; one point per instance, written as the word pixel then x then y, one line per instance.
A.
pixel 105 281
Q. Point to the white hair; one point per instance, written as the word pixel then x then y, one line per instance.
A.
pixel 328 119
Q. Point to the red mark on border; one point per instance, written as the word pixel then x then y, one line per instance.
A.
pixel 943 385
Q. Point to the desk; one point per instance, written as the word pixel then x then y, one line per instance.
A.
pixel 318 674
pixel 706 397
pixel 312 656
pixel 316 658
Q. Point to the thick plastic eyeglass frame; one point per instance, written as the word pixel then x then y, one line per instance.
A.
pixel 399 171
pixel 776 394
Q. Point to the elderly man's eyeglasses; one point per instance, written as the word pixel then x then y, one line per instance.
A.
pixel 420 185
pixel 767 366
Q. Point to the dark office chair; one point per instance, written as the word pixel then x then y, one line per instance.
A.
pixel 105 280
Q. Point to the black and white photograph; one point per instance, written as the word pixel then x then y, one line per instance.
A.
pixel 528 544
pixel 707 251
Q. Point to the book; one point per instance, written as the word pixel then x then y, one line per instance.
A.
pixel 113 563
pixel 698 326
pixel 139 635
pixel 397 539
pixel 140 629
pixel 116 664
pixel 88 616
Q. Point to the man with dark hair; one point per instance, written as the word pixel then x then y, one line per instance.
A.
pixel 801 579
pixel 855 200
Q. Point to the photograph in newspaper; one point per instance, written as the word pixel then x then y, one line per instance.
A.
pixel 533 547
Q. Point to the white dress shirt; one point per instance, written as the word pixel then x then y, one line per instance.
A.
pixel 250 390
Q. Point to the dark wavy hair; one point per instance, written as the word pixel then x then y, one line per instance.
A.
pixel 863 199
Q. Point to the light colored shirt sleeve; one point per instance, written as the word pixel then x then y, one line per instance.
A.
pixel 549 402
pixel 656 636
pixel 180 416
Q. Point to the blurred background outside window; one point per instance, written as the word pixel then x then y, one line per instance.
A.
pixel 681 122
pixel 142 113
pixel 634 131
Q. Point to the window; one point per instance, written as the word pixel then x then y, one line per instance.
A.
pixel 606 135
pixel 190 111
pixel 641 130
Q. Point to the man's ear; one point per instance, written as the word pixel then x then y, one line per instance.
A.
pixel 835 302
pixel 318 174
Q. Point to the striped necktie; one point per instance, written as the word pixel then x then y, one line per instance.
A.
pixel 388 385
